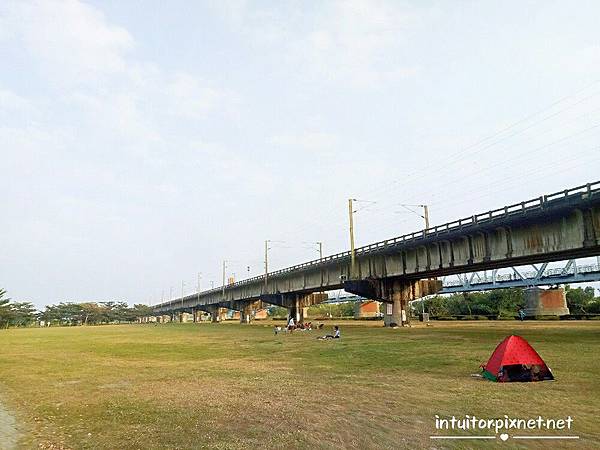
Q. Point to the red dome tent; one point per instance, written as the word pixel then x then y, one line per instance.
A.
pixel 515 360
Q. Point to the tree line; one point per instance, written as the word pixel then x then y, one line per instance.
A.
pixel 15 313
pixel 501 303
pixel 495 304
pixel 22 314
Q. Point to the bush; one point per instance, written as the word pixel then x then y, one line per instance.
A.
pixel 593 307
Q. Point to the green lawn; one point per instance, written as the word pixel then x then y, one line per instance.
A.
pixel 234 386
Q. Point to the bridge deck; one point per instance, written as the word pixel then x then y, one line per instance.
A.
pixel 548 228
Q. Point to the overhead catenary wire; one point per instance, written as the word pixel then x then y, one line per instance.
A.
pixel 442 206
pixel 502 137
pixel 508 161
pixel 341 220
pixel 475 145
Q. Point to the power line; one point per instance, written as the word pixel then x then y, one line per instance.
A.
pixel 497 138
pixel 450 161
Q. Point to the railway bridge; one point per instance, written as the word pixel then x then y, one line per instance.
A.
pixel 554 227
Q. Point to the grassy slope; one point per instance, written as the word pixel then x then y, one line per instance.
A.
pixel 232 386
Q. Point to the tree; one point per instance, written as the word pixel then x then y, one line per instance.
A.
pixel 594 307
pixel 92 313
pixel 436 306
pixel 580 300
pixel 139 310
pixel 115 311
pixel 16 313
pixel 5 311
pixel 64 314
pixel 22 314
pixel 277 311
pixel 496 303
pixel 508 301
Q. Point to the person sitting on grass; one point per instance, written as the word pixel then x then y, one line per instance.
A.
pixel 335 335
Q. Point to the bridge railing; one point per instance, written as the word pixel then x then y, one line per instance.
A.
pixel 536 203
pixel 586 190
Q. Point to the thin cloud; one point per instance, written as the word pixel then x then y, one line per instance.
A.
pixel 355 42
pixel 310 141
pixel 12 101
pixel 72 41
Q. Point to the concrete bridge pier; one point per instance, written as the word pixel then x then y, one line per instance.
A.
pixel 396 292
pixel 212 310
pixel 248 310
pixel 399 315
pixel 401 293
pixel 216 313
pixel 297 304
pixel 545 302
pixel 297 312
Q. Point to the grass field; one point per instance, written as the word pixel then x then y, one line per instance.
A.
pixel 233 386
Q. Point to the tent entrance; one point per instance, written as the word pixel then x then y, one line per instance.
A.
pixel 525 372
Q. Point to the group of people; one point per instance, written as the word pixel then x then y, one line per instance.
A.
pixel 292 325
pixel 308 326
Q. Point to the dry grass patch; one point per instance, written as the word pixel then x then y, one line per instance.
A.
pixel 232 386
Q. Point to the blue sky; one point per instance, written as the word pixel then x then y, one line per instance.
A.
pixel 143 142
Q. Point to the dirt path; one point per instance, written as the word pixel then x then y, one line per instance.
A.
pixel 9 435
